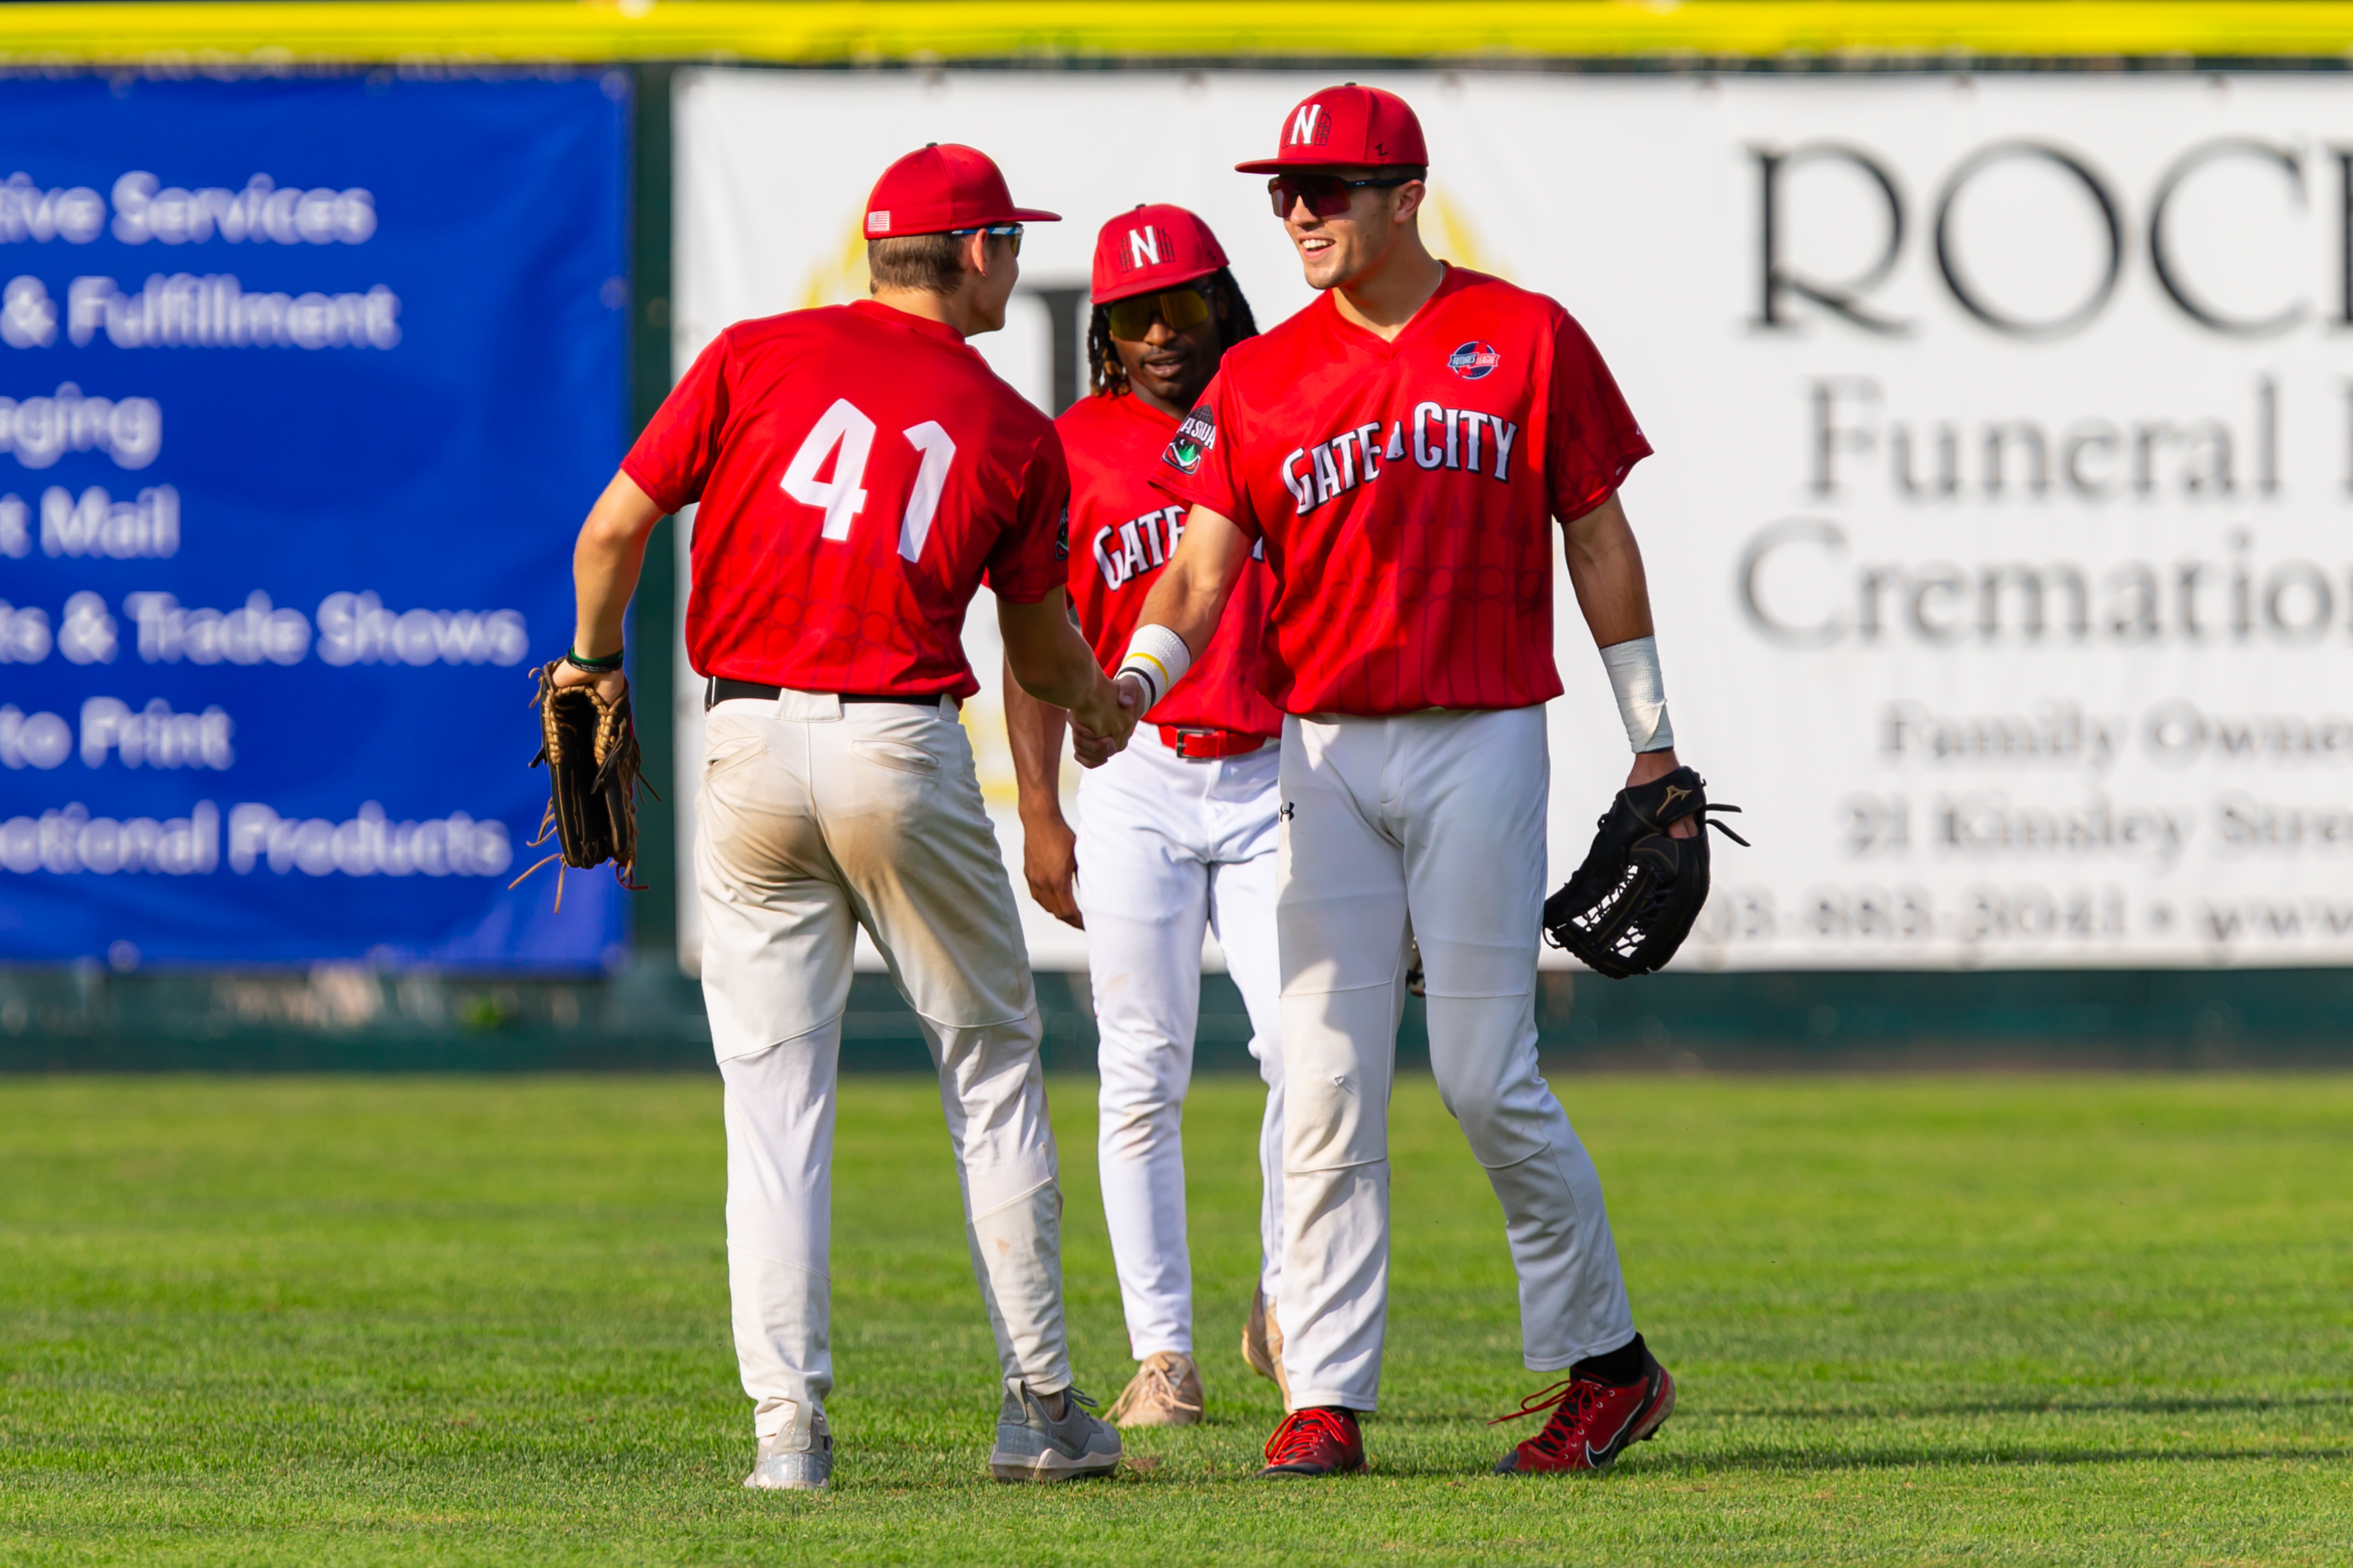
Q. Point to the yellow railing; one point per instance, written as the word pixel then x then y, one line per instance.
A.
pixel 195 35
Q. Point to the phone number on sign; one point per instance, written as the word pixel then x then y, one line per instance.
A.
pixel 2025 912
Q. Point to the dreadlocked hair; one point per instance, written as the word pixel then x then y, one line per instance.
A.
pixel 1104 370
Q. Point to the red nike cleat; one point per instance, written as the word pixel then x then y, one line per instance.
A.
pixel 1318 1442
pixel 1592 1423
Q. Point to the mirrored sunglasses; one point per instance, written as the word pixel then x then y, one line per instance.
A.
pixel 1011 231
pixel 1131 318
pixel 1325 195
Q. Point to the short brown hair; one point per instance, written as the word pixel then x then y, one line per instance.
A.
pixel 933 263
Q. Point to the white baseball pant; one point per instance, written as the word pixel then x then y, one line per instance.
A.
pixel 818 816
pixel 1426 827
pixel 1167 846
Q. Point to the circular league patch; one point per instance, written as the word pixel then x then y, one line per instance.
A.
pixel 1473 360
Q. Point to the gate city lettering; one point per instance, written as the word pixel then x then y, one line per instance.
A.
pixel 1464 439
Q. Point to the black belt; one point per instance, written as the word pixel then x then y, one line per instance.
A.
pixel 720 689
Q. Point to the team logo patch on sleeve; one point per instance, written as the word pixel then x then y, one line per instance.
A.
pixel 1474 361
pixel 1194 439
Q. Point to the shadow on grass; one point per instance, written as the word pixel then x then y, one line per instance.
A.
pixel 1818 1411
pixel 1794 1462
pixel 1670 1466
pixel 2176 1405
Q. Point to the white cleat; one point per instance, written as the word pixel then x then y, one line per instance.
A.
pixel 794 1460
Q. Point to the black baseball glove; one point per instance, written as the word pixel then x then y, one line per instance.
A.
pixel 1632 903
pixel 589 747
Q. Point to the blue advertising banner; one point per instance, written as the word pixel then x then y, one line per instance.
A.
pixel 304 388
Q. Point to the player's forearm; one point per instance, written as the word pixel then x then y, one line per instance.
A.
pixel 1189 598
pixel 1187 606
pixel 1605 567
pixel 1034 733
pixel 605 563
pixel 1046 655
pixel 1181 612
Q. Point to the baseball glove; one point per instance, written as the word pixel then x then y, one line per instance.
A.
pixel 1632 903
pixel 589 747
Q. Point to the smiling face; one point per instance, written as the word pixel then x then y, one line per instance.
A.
pixel 1172 368
pixel 1336 250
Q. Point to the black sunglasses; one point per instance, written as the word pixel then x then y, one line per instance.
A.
pixel 1326 195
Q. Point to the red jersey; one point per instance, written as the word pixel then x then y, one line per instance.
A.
pixel 1121 532
pixel 862 472
pixel 1405 492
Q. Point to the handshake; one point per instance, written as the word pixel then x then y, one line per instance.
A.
pixel 1101 722
pixel 1048 666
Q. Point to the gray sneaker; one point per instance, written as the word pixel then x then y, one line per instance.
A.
pixel 794 1461
pixel 1033 1446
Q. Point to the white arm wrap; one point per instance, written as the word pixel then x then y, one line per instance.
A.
pixel 1641 693
pixel 1158 658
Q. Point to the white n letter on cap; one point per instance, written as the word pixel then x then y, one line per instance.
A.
pixel 1303 124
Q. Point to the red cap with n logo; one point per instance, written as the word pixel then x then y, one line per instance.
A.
pixel 1151 249
pixel 1346 125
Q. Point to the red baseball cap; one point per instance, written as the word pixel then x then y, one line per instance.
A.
pixel 1151 249
pixel 941 187
pixel 1346 125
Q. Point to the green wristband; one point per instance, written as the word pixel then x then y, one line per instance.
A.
pixel 593 666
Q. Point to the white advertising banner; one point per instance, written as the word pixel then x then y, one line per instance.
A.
pixel 2001 531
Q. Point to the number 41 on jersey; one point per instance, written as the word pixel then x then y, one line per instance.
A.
pixel 841 498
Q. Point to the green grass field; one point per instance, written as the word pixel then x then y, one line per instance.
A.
pixel 2061 1321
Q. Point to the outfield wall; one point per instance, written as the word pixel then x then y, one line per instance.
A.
pixel 1998 528
pixel 349 1014
pixel 349 1018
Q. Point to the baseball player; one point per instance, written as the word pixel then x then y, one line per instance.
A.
pixel 1177 831
pixel 1401 447
pixel 861 472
